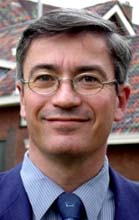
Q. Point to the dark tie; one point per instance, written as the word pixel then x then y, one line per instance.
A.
pixel 70 207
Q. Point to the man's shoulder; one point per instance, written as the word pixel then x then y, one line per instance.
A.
pixel 10 186
pixel 119 181
pixel 13 198
pixel 126 192
pixel 9 174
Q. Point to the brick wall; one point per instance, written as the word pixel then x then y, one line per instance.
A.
pixel 13 133
pixel 125 159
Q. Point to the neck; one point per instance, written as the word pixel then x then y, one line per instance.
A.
pixel 69 172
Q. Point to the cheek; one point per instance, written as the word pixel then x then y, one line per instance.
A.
pixel 31 105
pixel 104 107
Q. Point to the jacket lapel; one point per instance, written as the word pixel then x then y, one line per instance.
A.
pixel 126 195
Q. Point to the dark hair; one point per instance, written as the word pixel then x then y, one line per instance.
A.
pixel 76 21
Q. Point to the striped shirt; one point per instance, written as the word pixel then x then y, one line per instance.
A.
pixel 42 192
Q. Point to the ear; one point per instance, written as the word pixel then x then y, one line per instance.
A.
pixel 22 102
pixel 122 100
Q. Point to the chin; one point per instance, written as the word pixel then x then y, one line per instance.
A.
pixel 66 148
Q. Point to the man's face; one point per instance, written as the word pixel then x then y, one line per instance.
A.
pixel 66 122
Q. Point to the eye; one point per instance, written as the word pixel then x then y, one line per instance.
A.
pixel 88 79
pixel 44 78
pixel 43 81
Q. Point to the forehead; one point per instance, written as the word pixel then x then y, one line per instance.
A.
pixel 81 40
pixel 68 51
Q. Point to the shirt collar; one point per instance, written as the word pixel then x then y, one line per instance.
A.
pixel 42 191
pixel 95 191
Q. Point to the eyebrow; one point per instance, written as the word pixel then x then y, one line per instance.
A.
pixel 49 67
pixel 77 70
pixel 87 68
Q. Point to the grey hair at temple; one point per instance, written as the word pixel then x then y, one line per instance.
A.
pixel 74 21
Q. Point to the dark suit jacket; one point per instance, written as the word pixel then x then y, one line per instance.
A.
pixel 14 204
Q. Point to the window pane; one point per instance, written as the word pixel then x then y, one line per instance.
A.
pixel 3 71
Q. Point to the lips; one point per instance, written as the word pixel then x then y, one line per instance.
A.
pixel 65 123
pixel 67 119
pixel 66 116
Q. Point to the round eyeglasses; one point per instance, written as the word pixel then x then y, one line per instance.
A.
pixel 85 84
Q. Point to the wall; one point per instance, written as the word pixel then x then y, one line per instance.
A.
pixel 125 159
pixel 13 134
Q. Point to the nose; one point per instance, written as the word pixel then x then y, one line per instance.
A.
pixel 66 97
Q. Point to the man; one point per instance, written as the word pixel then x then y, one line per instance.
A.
pixel 72 78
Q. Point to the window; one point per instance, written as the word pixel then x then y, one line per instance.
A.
pixel 3 71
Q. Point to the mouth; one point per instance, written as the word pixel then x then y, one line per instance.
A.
pixel 66 124
pixel 64 116
pixel 67 119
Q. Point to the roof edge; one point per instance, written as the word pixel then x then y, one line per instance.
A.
pixel 7 64
pixel 11 100
pixel 117 10
pixel 124 138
